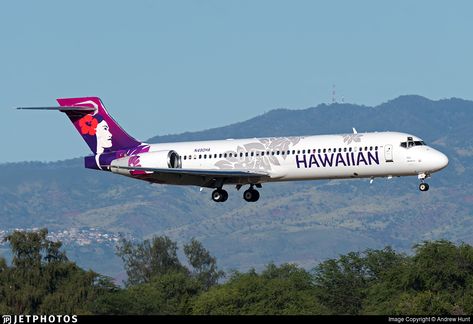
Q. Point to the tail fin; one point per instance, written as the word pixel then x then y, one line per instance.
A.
pixel 99 130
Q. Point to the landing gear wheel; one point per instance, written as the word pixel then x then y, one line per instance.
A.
pixel 219 195
pixel 225 196
pixel 251 195
pixel 423 186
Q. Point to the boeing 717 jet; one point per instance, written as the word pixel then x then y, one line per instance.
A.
pixel 247 162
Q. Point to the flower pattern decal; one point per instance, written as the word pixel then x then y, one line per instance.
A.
pixel 258 162
pixel 134 160
pixel 88 125
pixel 349 138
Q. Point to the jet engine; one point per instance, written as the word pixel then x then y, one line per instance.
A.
pixel 153 160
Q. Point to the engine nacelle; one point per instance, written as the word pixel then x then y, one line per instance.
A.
pixel 157 160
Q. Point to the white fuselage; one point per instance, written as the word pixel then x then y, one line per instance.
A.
pixel 358 155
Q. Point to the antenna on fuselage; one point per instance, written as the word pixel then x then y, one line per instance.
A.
pixel 354 130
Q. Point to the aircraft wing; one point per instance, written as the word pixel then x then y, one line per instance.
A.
pixel 199 177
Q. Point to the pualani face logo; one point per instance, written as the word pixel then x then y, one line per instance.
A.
pixel 20 319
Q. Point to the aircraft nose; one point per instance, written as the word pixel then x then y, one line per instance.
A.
pixel 441 160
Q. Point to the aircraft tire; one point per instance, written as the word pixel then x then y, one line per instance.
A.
pixel 224 195
pixel 423 186
pixel 255 195
pixel 251 195
pixel 219 195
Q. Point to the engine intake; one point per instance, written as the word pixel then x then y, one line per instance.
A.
pixel 174 160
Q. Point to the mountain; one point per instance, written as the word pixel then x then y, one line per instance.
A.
pixel 302 222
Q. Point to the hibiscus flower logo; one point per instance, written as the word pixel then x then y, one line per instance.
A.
pixel 349 138
pixel 88 125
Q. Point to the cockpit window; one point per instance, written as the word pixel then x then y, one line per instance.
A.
pixel 412 143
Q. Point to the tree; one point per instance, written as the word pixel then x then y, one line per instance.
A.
pixel 342 283
pixel 150 258
pixel 278 290
pixel 204 265
pixel 437 279
pixel 42 279
pixel 167 294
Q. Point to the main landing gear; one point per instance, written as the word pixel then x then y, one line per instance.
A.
pixel 423 186
pixel 250 195
pixel 219 195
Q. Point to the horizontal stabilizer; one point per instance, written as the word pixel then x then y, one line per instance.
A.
pixel 70 108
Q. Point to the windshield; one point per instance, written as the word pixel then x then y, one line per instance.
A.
pixel 412 143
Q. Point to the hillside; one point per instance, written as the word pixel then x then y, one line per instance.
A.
pixel 290 219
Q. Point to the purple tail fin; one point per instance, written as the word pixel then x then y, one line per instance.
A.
pixel 97 127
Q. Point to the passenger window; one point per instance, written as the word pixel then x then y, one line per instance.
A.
pixel 282 152
pixel 272 153
pixel 371 148
pixel 262 153
pixel 325 150
pixel 288 152
pixel 200 156
pixel 225 155
pixel 293 151
pixel 241 154
pixel 344 149
pixel 185 157
pixel 298 152
pixel 246 154
pixel 303 151
pixel 252 153
pixel 375 148
pixel 349 149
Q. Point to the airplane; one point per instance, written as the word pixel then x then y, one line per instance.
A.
pixel 247 162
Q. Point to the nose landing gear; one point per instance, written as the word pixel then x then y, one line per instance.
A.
pixel 423 186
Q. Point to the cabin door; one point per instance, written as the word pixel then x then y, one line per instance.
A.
pixel 388 153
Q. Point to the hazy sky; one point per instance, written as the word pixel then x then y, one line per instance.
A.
pixel 168 67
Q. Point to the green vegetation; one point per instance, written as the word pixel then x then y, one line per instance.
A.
pixel 436 279
pixel 42 280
